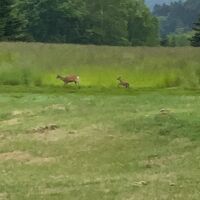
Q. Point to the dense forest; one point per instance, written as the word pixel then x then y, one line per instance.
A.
pixel 110 22
pixel 101 22
pixel 177 20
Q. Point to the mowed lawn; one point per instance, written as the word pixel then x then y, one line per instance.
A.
pixel 141 145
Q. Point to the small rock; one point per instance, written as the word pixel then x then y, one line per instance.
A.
pixel 52 127
pixel 71 132
pixel 172 184
pixel 144 182
pixel 141 183
pixel 49 127
pixel 164 111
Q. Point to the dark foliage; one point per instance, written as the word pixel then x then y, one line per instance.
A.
pixel 195 40
pixel 178 17
pixel 110 22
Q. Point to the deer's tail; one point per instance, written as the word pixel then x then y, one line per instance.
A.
pixel 78 79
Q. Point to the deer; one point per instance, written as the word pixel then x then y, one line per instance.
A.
pixel 123 83
pixel 69 79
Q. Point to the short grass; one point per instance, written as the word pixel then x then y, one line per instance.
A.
pixel 36 64
pixel 64 143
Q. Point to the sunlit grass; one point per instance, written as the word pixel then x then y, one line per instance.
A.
pixel 38 64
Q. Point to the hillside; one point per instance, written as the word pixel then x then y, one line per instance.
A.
pixel 177 18
pixel 152 3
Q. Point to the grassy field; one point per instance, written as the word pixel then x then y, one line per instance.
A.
pixel 142 145
pixel 99 142
pixel 38 64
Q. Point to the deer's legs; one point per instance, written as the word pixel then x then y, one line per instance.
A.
pixel 65 83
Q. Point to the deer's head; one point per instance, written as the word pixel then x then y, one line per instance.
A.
pixel 119 78
pixel 58 76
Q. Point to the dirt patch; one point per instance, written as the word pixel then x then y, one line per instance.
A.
pixel 52 136
pixel 17 112
pixel 21 112
pixel 2 137
pixel 3 196
pixel 167 111
pixel 46 128
pixel 96 128
pixel 24 157
pixel 15 155
pixel 10 122
pixel 55 107
pixel 181 142
pixel 157 161
pixel 49 133
pixel 162 177
pixel 39 160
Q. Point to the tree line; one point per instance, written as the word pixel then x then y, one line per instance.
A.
pixel 109 22
pixel 101 22
pixel 177 21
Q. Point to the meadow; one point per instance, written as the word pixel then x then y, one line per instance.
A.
pixel 77 146
pixel 36 64
pixel 99 141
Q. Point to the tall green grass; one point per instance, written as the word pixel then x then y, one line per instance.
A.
pixel 37 64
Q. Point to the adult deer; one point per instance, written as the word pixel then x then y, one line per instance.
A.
pixel 69 79
pixel 123 83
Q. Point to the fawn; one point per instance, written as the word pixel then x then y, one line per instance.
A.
pixel 123 83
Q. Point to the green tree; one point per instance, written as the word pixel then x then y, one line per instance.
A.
pixel 121 22
pixel 53 21
pixel 195 40
pixel 142 26
pixel 106 22
pixel 110 22
pixel 10 24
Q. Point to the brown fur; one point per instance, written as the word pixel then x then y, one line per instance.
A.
pixel 69 79
pixel 123 83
